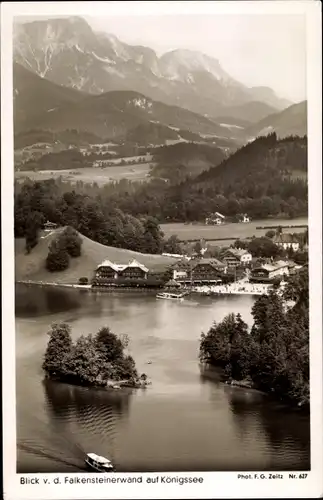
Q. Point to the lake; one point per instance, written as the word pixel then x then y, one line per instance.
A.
pixel 184 421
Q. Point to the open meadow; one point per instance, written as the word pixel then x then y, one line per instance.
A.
pixel 228 233
pixel 100 175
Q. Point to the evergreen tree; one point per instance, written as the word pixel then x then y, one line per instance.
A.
pixel 173 245
pixel 58 350
pixel 108 345
pixel 83 363
pixel 57 259
pixel 31 237
pixel 71 241
pixel 153 236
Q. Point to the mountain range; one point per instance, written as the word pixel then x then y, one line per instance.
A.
pixel 41 104
pixel 68 77
pixel 68 52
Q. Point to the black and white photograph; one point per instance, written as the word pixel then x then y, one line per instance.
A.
pixel 164 184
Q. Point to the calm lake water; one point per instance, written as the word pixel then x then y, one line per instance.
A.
pixel 183 421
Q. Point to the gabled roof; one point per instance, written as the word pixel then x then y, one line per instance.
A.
pixel 215 263
pixel 187 266
pixel 217 214
pixel 284 263
pixel 135 263
pixel 273 267
pixel 268 267
pixel 122 267
pixel 172 283
pixel 233 252
pixel 108 263
pixel 285 238
pixel 238 252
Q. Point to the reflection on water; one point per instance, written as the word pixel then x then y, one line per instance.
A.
pixel 184 421
pixel 34 301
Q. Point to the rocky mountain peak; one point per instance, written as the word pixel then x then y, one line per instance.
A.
pixel 68 52
pixel 178 63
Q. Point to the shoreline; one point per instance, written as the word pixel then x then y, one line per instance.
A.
pixel 216 374
pixel 106 385
pixel 208 291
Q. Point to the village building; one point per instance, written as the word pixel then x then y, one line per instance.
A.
pixel 286 241
pixel 267 272
pixel 234 257
pixel 245 218
pixel 50 226
pixel 107 271
pixel 204 271
pixel 215 219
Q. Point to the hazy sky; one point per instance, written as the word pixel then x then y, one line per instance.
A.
pixel 256 49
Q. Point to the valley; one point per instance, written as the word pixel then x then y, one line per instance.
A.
pixel 89 175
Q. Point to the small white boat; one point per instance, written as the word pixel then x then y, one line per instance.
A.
pixel 170 296
pixel 99 464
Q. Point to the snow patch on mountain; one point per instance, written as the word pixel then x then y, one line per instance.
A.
pixel 114 71
pixel 117 47
pixel 227 125
pixel 78 48
pixel 141 102
pixel 178 63
pixel 103 59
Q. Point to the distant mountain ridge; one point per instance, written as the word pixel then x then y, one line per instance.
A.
pixel 42 105
pixel 68 52
pixel 290 121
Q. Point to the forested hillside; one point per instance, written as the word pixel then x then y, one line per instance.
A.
pixel 181 160
pixel 258 179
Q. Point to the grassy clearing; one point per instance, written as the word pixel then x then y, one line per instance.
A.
pixel 32 267
pixel 89 175
pixel 186 232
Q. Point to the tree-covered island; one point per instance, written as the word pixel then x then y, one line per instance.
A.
pixel 94 360
pixel 274 355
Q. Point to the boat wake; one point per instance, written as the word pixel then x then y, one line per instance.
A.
pixel 32 449
pixel 67 440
